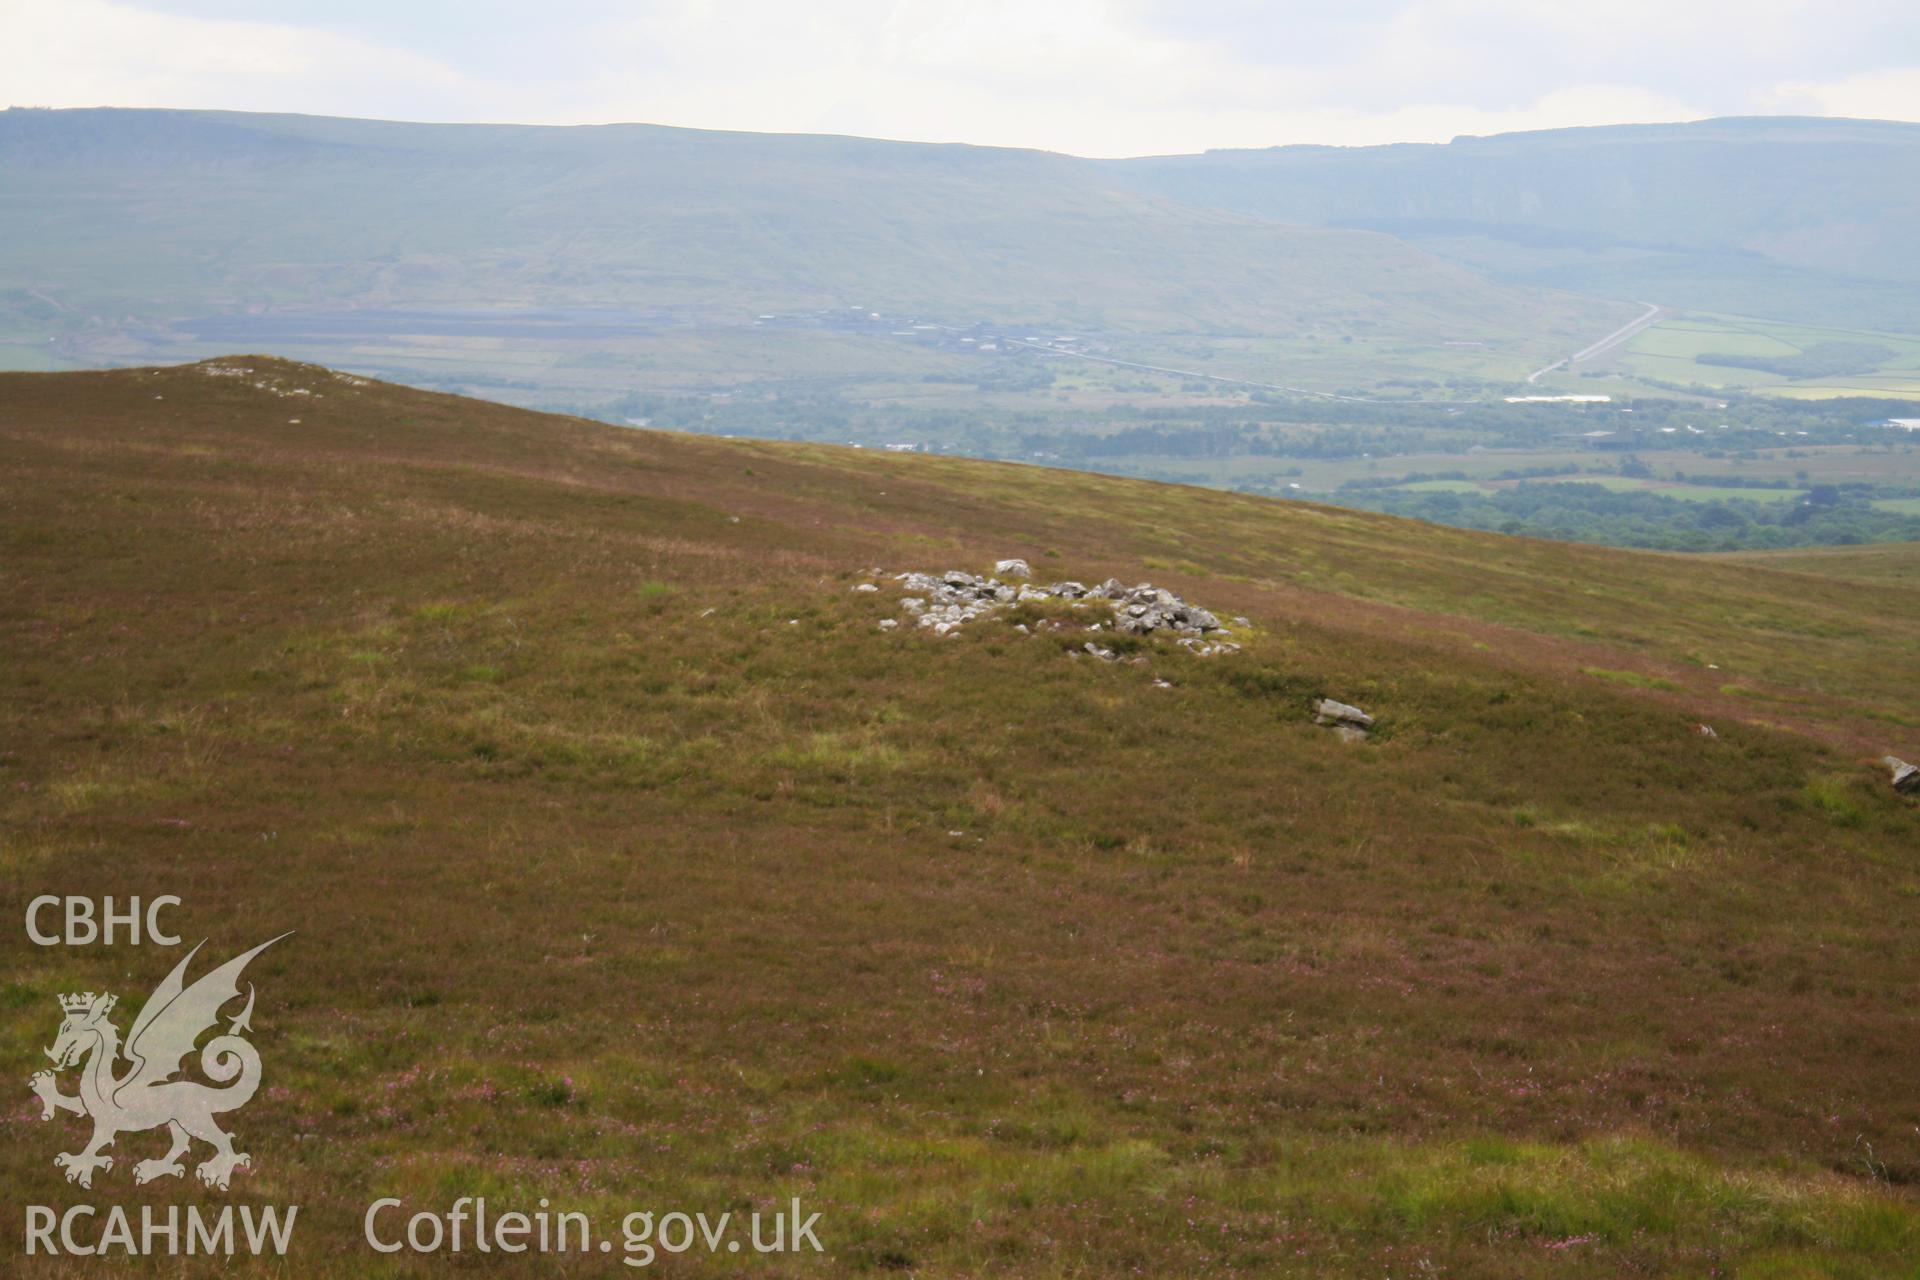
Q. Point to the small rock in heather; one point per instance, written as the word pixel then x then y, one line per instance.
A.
pixel 1329 712
pixel 1013 568
pixel 1906 777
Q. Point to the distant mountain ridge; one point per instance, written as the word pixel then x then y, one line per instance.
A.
pixel 176 213
pixel 1714 214
pixel 146 217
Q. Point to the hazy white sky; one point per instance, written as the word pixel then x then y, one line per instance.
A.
pixel 1096 77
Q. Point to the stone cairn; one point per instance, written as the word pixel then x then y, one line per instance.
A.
pixel 946 602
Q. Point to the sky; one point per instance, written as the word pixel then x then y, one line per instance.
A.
pixel 1092 77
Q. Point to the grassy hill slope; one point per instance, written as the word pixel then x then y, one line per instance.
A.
pixel 634 865
pixel 1894 566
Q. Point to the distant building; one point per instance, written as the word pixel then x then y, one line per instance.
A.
pixel 1905 424
pixel 1559 399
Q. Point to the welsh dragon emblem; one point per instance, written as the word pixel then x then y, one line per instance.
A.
pixel 147 1094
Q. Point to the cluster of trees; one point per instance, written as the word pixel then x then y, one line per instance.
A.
pixel 1821 360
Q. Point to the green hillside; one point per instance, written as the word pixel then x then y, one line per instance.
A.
pixel 635 864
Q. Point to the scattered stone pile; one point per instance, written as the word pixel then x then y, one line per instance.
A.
pixel 956 597
pixel 1349 723
pixel 941 604
pixel 273 383
pixel 1906 777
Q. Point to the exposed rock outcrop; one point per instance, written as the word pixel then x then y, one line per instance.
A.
pixel 1906 777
